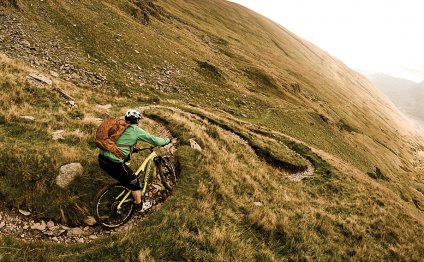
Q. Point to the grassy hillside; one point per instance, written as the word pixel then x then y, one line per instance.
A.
pixel 261 102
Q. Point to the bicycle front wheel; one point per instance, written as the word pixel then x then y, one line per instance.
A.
pixel 113 206
pixel 166 172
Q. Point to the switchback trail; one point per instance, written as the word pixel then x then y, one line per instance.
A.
pixel 25 225
pixel 294 176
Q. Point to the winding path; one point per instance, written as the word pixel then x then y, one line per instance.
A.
pixel 22 224
pixel 294 176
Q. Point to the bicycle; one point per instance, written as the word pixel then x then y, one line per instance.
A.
pixel 114 204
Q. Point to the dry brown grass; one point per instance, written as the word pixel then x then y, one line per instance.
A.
pixel 31 158
pixel 293 215
pixel 145 256
pixel 343 215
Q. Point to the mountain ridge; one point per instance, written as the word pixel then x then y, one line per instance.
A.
pixel 405 94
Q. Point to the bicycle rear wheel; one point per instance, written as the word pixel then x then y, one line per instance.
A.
pixel 166 172
pixel 107 211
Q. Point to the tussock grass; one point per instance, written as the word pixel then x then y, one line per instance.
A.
pixel 30 159
pixel 274 152
pixel 212 216
pixel 260 78
pixel 273 80
pixel 209 69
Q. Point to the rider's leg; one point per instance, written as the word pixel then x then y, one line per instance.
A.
pixel 137 196
pixel 123 174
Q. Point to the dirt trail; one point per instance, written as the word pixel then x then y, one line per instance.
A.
pixel 22 224
pixel 293 176
pixel 25 225
pixel 348 169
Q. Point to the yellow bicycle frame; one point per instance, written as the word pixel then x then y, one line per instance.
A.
pixel 146 168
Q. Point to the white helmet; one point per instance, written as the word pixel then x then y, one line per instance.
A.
pixel 132 116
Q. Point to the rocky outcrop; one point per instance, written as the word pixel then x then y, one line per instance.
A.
pixel 41 78
pixel 67 174
pixel 16 40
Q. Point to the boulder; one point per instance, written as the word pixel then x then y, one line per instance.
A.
pixel 55 232
pixel 41 78
pixel 25 43
pixel 54 73
pixel 76 231
pixel 67 173
pixel 71 104
pixel 50 224
pixel 58 134
pixel 194 144
pixel 158 187
pixel 28 117
pixel 40 226
pixel 90 221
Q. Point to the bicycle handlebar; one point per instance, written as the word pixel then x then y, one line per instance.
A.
pixel 150 148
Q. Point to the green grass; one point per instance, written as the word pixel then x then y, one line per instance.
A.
pixel 236 71
pixel 316 132
pixel 211 215
pixel 271 151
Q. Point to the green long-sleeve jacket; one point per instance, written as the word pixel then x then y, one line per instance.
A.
pixel 129 138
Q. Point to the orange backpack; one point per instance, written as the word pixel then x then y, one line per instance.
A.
pixel 108 132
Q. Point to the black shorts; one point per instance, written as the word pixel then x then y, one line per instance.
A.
pixel 121 172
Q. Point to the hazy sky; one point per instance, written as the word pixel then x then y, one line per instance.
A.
pixel 373 35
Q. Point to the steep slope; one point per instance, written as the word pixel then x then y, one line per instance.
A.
pixel 259 100
pixel 209 62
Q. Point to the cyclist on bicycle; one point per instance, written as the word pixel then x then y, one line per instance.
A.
pixel 116 167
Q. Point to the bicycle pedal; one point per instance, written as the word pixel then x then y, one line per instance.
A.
pixel 146 205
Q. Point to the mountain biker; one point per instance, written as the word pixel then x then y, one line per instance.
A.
pixel 116 167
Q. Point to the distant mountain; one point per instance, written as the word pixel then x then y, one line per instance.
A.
pixel 407 95
pixel 398 90
pixel 417 100
pixel 415 110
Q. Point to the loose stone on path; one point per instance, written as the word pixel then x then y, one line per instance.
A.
pixel 23 212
